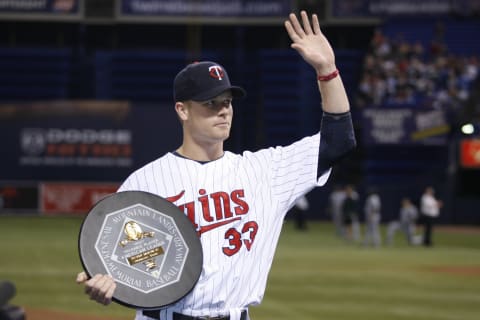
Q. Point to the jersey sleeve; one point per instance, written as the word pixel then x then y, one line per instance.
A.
pixel 290 171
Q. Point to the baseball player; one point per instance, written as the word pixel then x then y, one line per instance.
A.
pixel 237 202
pixel 406 222
pixel 372 210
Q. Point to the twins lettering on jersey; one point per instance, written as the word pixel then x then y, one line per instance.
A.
pixel 220 209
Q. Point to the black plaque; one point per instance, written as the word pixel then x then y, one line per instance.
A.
pixel 146 244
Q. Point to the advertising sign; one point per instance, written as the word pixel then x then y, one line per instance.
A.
pixel 18 197
pixel 47 9
pixel 470 153
pixel 72 198
pixel 202 9
pixel 381 8
pixel 405 126
pixel 90 141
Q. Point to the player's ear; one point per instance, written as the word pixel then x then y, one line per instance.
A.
pixel 182 110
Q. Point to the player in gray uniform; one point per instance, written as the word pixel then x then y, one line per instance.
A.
pixel 372 210
pixel 237 202
pixel 407 222
pixel 335 204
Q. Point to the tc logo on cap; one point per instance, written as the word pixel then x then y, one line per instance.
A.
pixel 216 72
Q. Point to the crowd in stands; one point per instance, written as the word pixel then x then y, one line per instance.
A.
pixel 397 72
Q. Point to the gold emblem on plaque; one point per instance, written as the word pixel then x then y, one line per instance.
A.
pixel 134 233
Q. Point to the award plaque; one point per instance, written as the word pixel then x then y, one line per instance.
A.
pixel 146 244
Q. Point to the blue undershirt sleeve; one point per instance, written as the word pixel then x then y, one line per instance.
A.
pixel 337 139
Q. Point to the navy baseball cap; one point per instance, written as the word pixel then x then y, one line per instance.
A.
pixel 201 81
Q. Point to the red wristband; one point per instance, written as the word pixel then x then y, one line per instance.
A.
pixel 329 76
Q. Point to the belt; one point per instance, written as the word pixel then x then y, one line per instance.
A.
pixel 155 314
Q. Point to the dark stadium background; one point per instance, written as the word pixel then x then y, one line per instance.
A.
pixel 98 72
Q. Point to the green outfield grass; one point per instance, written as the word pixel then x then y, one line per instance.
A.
pixel 314 275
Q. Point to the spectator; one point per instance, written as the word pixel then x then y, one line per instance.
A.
pixel 400 73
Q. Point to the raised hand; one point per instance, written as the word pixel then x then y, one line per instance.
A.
pixel 311 43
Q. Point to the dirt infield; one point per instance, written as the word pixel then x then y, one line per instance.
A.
pixel 40 314
pixel 458 270
pixel 459 229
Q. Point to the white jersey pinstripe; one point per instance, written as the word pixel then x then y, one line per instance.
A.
pixel 248 196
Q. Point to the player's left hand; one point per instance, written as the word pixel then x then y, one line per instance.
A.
pixel 311 43
pixel 99 288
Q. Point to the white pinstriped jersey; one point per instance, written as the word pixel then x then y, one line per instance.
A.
pixel 238 204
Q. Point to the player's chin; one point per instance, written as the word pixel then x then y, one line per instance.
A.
pixel 223 135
